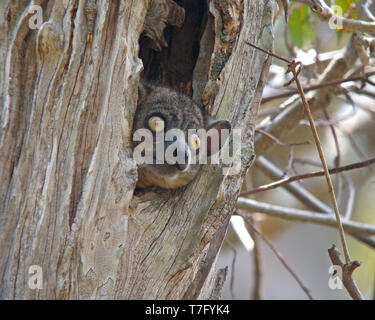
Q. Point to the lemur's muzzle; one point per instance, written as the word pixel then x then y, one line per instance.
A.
pixel 177 153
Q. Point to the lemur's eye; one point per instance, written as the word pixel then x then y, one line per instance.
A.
pixel 194 142
pixel 156 124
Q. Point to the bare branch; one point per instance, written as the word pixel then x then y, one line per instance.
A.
pixel 366 93
pixel 232 273
pixel 289 180
pixel 337 160
pixel 353 227
pixel 280 143
pixel 293 69
pixel 341 117
pixel 347 269
pixel 320 86
pixel 279 256
pixel 325 13
pixel 258 262
pixel 367 14
pixel 295 188
pixel 287 120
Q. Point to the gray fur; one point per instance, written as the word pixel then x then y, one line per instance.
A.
pixel 179 111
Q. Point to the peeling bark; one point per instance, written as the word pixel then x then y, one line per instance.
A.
pixel 68 94
pixel 159 14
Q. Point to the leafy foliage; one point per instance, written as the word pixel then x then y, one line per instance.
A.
pixel 302 22
pixel 302 27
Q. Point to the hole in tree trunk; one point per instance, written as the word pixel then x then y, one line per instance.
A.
pixel 173 66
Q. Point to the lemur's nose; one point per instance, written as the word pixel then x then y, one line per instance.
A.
pixel 181 154
pixel 183 165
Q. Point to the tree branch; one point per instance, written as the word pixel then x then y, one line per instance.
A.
pixel 320 86
pixel 279 256
pixel 289 180
pixel 347 271
pixel 325 13
pixel 295 188
pixel 352 227
pixel 287 120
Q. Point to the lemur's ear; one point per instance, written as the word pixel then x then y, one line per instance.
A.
pixel 143 91
pixel 217 134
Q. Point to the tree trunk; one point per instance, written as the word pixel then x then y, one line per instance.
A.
pixel 68 93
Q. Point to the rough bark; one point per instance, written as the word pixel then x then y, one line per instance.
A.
pixel 68 95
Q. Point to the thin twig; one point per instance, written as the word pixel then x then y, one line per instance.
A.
pixel 339 118
pixel 297 190
pixel 280 143
pixel 283 144
pixel 277 141
pixel 292 68
pixel 337 159
pixel 278 255
pixel 231 284
pixel 323 11
pixel 319 86
pixel 360 91
pixel 292 112
pixel 288 180
pixel 268 52
pixel 258 263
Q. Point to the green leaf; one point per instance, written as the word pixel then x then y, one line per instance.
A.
pixel 302 27
pixel 347 8
pixel 344 7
